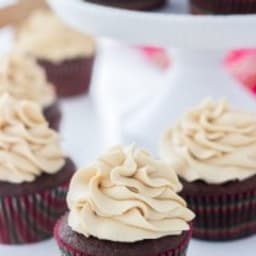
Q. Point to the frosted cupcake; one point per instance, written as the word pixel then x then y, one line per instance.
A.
pixel 22 78
pixel 34 173
pixel 65 54
pixel 214 147
pixel 126 203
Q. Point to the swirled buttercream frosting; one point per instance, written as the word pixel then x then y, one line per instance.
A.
pixel 213 143
pixel 45 36
pixel 126 196
pixel 23 78
pixel 28 148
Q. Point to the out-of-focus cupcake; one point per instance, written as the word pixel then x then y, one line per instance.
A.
pixel 34 173
pixel 126 203
pixel 214 150
pixel 132 4
pixel 24 79
pixel 65 54
pixel 223 6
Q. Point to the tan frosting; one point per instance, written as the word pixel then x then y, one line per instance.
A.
pixel 127 196
pixel 23 78
pixel 28 148
pixel 45 36
pixel 213 143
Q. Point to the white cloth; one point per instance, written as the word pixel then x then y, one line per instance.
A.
pixel 124 82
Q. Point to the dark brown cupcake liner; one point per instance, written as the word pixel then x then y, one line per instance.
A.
pixel 132 4
pixel 223 7
pixel 68 249
pixel 29 211
pixel 70 77
pixel 30 218
pixel 222 216
pixel 53 116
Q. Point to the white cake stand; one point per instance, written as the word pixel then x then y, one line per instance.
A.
pixel 198 46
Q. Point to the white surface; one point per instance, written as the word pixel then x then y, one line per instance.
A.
pixel 159 28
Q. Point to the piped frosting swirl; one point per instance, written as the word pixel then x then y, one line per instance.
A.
pixel 28 148
pixel 126 196
pixel 213 143
pixel 24 79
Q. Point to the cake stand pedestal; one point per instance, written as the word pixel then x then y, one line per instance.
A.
pixel 199 44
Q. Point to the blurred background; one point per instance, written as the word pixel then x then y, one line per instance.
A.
pixel 123 78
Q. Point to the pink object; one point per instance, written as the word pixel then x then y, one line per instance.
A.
pixel 242 64
pixel 157 56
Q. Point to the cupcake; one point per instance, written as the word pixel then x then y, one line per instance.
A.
pixel 223 7
pixel 66 55
pixel 34 173
pixel 213 148
pixel 24 79
pixel 126 203
pixel 132 4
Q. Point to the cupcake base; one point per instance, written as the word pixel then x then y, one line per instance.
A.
pixel 132 4
pixel 74 244
pixel 53 115
pixel 224 212
pixel 29 211
pixel 70 77
pixel 223 7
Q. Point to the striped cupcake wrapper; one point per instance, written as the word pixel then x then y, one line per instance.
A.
pixel 171 253
pixel 67 249
pixel 70 77
pixel 224 7
pixel 223 217
pixel 31 218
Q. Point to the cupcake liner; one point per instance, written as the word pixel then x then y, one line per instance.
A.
pixel 223 216
pixel 53 116
pixel 67 249
pixel 223 7
pixel 70 77
pixel 31 217
pixel 133 4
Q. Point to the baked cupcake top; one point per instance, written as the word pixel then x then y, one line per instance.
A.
pixel 28 148
pixel 45 36
pixel 126 196
pixel 23 78
pixel 213 143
